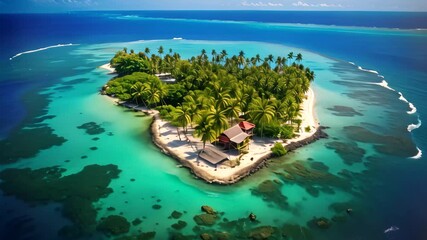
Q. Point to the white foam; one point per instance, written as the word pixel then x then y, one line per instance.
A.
pixel 177 38
pixel 419 154
pixel 367 70
pixel 391 229
pixel 411 105
pixel 413 109
pixel 384 84
pixel 412 127
pixel 41 49
pixel 402 98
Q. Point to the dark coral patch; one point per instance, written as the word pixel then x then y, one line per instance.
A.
pixel 156 206
pixel 349 152
pixel 400 145
pixel 77 192
pixel 270 191
pixel 27 143
pixel 344 111
pixel 114 225
pixel 313 180
pixel 92 128
pixel 136 221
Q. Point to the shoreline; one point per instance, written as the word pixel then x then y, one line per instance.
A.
pixel 165 137
pixel 184 148
pixel 108 67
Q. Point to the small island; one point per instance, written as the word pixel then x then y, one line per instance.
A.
pixel 220 116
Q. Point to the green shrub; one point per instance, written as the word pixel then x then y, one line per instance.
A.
pixel 165 111
pixel 276 131
pixel 307 129
pixel 278 150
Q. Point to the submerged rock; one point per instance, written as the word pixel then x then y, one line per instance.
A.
pixel 263 232
pixel 205 219
pixel 114 225
pixel 207 209
pixel 179 225
pixel 176 214
pixel 206 236
pixel 252 217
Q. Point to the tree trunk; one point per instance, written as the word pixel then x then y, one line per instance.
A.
pixel 179 135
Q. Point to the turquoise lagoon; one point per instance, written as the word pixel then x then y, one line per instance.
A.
pixel 362 116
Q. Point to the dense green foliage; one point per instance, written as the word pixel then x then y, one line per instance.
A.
pixel 213 92
pixel 278 150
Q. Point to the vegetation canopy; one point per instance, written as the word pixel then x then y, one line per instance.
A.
pixel 213 92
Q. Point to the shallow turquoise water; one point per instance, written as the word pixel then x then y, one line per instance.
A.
pixel 126 142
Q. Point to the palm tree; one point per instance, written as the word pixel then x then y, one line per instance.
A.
pixel 279 64
pixel 258 58
pixel 299 57
pixel 181 116
pixel 205 129
pixel 241 59
pixel 233 110
pixel 160 51
pixel 147 50
pixel 139 91
pixel 270 58
pixel 223 55
pixel 261 112
pixel 214 55
pixel 290 56
pixel 309 74
pixel 218 119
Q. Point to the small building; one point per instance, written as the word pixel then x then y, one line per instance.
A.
pixel 166 77
pixel 235 136
pixel 247 127
pixel 213 155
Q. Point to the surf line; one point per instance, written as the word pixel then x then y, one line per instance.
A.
pixel 419 154
pixel 42 49
pixel 384 84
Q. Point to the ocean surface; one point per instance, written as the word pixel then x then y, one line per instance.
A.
pixel 370 86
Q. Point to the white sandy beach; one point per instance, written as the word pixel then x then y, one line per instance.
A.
pixel 185 150
pixel 108 67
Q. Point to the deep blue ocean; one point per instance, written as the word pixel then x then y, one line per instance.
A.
pixel 374 62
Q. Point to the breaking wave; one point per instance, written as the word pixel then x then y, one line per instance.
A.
pixel 419 154
pixel 412 127
pixel 384 84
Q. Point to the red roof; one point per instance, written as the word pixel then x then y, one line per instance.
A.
pixel 246 125
pixel 223 138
